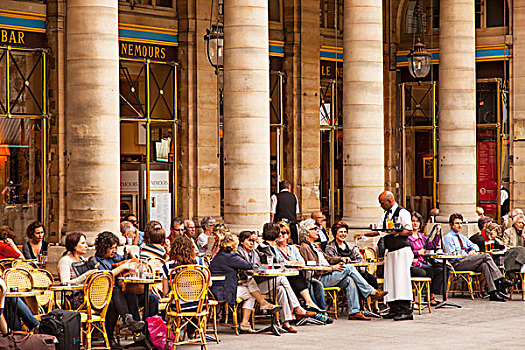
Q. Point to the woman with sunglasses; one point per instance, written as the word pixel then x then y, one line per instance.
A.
pixel 290 254
pixel 291 308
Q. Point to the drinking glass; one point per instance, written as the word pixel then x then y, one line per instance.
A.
pixel 270 262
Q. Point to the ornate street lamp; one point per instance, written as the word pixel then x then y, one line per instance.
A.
pixel 419 60
pixel 419 57
pixel 214 39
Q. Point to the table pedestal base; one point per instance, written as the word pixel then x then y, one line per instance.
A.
pixel 309 320
pixel 447 303
pixel 273 328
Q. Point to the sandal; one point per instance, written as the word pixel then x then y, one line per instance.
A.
pixel 434 302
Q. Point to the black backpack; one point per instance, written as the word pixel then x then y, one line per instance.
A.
pixel 65 326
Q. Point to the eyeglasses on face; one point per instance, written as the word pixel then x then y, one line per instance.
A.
pixel 284 233
pixel 312 229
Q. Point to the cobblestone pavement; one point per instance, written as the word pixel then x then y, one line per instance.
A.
pixel 479 324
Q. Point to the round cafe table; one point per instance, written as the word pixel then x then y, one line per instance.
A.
pixel 147 282
pixel 271 275
pixel 444 258
pixel 63 290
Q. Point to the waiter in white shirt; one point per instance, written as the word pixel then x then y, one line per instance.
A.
pixel 397 223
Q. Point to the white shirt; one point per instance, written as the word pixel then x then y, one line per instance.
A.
pixel 322 235
pixel 405 219
pixel 273 202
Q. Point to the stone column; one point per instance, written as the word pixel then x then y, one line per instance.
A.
pixel 302 144
pixel 363 123
pixel 92 117
pixel 246 115
pixel 457 109
pixel 517 80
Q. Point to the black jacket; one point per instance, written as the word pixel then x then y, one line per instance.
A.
pixel 227 264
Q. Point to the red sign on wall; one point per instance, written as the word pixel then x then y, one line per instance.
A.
pixel 487 170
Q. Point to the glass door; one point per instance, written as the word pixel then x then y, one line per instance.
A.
pixel 330 120
pixel 148 140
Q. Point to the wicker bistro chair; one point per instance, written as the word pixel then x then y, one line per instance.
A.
pixel 228 310
pixel 24 264
pixel 42 279
pixel 17 278
pixel 189 284
pixel 98 288
pixel 332 301
pixel 471 279
pixel 520 286
pixel 419 285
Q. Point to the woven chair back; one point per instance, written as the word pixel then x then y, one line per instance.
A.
pixel 25 265
pixel 189 283
pixel 156 263
pixel 17 278
pixel 6 264
pixel 98 289
pixel 42 279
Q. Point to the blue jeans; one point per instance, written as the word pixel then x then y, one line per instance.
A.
pixel 22 312
pixel 352 281
pixel 317 292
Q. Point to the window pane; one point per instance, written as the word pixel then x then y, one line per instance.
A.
pixel 478 13
pixel 274 10
pixel 25 82
pixel 435 12
pixel 496 13
pixel 164 3
pixel 20 172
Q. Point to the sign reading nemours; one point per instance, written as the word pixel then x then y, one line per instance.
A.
pixel 148 51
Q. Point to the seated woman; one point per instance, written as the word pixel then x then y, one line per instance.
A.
pixel 490 234
pixel 290 254
pixel 106 255
pixel 181 253
pixel 76 247
pixel 154 241
pixel 340 248
pixel 285 295
pixel 8 248
pixel 36 246
pixel 73 268
pixel 228 263
pixel 514 236
pixel 420 266
pixel 342 274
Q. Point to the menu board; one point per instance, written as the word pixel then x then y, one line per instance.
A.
pixel 487 170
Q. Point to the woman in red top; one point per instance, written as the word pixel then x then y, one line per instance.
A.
pixel 8 248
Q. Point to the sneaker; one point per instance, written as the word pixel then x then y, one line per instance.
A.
pixel 324 318
pixel 133 325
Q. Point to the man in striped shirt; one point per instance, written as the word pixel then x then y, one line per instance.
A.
pixel 154 240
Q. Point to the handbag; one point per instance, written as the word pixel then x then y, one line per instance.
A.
pixel 25 341
pixel 134 288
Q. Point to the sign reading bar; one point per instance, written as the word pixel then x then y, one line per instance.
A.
pixel 149 51
pixel 21 38
pixel 329 70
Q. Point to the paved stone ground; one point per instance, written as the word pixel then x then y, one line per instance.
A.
pixel 479 324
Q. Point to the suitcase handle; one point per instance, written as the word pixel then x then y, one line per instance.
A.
pixel 25 334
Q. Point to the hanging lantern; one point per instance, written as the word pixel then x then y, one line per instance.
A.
pixel 419 60
pixel 214 39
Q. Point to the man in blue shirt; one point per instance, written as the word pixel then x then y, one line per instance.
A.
pixel 472 260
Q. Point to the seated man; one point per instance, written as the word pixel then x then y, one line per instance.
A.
pixel 342 275
pixel 455 243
